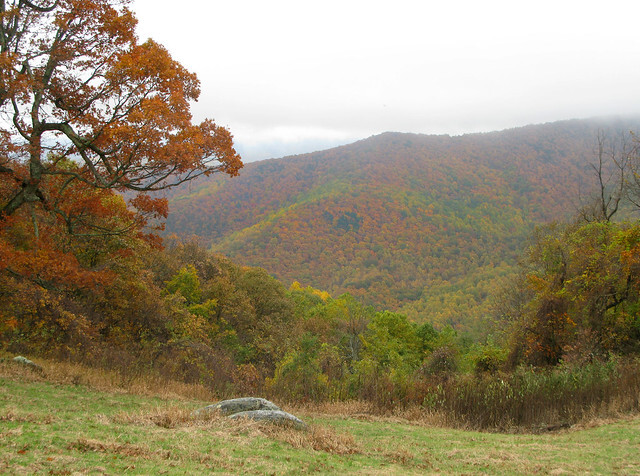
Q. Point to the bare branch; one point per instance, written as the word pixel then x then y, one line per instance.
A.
pixel 39 8
pixel 610 170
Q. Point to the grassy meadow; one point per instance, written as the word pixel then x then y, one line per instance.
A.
pixel 69 419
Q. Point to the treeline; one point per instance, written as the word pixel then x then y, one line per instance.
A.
pixel 188 314
pixel 562 339
pixel 185 314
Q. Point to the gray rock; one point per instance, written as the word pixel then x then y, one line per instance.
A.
pixel 237 405
pixel 272 416
pixel 29 363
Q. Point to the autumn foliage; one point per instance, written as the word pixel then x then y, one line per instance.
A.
pixel 92 121
pixel 579 295
pixel 429 226
pixel 77 85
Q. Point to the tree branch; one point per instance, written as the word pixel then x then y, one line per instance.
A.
pixel 38 8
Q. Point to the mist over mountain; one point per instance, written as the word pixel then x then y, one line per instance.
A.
pixel 263 150
pixel 428 225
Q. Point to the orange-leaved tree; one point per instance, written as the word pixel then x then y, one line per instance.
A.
pixel 86 111
pixel 75 83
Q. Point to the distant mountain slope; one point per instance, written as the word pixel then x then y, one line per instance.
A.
pixel 425 224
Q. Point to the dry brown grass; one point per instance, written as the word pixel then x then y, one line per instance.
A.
pixel 598 421
pixel 139 451
pixel 169 417
pixel 366 411
pixel 616 410
pixel 70 373
pixel 85 445
pixel 316 437
pixel 15 416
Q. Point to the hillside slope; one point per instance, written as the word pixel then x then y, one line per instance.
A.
pixel 429 225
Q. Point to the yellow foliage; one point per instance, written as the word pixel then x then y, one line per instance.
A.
pixel 296 286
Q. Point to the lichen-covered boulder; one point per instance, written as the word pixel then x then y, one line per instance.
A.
pixel 237 405
pixel 29 363
pixel 272 416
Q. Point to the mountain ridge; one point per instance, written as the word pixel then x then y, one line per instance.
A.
pixel 399 220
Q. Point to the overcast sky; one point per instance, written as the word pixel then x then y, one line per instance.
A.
pixel 292 76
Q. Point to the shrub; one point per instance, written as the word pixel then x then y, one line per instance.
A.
pixel 488 358
pixel 442 362
pixel 537 398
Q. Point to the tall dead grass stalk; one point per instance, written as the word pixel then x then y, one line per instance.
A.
pixel 71 373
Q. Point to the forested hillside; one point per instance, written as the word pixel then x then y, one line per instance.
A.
pixel 429 225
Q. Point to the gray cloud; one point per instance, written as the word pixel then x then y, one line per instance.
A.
pixel 312 73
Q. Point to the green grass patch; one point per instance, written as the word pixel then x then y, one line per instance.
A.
pixel 49 428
